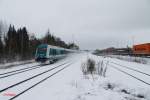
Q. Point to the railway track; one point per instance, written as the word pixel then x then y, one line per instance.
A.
pixel 14 72
pixel 14 65
pixel 39 82
pixel 66 64
pixel 131 69
pixel 131 75
pixel 19 71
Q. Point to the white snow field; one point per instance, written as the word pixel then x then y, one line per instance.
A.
pixel 71 84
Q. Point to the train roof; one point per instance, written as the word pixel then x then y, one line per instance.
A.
pixel 56 47
pixel 46 45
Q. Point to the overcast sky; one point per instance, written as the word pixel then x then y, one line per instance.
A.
pixel 90 23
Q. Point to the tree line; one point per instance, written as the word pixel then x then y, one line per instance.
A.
pixel 20 45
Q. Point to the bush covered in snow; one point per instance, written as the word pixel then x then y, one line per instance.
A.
pixel 102 68
pixel 90 66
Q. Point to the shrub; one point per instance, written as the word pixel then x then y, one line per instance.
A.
pixel 88 67
pixel 102 68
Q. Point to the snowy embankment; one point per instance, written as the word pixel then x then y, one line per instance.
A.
pixel 132 59
pixel 13 64
pixel 72 84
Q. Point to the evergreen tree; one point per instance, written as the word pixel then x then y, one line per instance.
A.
pixel 23 42
pixel 1 49
pixel 17 43
pixel 1 43
pixel 11 43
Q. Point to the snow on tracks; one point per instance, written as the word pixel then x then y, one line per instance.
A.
pixel 36 79
pixel 134 73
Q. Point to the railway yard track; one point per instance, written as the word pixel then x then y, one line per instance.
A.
pixel 131 69
pixel 39 82
pixel 32 81
pixel 18 70
pixel 11 73
pixel 22 70
pixel 134 73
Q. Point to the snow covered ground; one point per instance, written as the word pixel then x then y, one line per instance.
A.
pixel 71 84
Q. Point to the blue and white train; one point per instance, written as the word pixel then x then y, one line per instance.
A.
pixel 45 52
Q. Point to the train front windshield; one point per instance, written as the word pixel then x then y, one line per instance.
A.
pixel 41 52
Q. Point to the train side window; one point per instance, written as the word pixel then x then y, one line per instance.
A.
pixel 62 51
pixel 54 51
pixel 57 52
pixel 50 51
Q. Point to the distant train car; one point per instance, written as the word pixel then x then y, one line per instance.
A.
pixel 50 53
pixel 142 49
